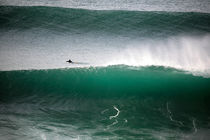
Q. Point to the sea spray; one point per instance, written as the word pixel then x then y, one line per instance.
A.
pixel 140 71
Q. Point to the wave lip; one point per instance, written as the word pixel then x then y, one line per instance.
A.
pixel 185 53
pixel 116 79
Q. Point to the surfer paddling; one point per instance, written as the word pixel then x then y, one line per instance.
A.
pixel 69 61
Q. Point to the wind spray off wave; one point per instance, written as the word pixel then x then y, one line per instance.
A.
pixel 102 38
pixel 140 69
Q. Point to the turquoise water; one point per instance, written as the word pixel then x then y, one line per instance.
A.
pixel 137 74
pixel 153 103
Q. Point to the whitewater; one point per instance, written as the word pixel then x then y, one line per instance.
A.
pixel 141 69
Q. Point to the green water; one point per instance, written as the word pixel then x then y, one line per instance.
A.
pixel 140 101
pixel 126 23
pixel 154 103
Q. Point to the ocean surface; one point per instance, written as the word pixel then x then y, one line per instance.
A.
pixel 141 70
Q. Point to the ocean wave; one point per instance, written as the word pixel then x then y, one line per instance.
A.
pixel 44 38
pixel 118 80
pixel 134 74
pixel 138 23
pixel 143 5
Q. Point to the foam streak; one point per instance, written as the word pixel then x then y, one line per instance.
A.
pixel 118 112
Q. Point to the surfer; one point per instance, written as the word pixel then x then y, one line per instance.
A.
pixel 69 61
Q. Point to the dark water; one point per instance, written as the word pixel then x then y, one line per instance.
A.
pixel 153 103
pixel 164 93
pixel 127 23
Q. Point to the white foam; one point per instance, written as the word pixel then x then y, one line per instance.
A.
pixel 184 52
pixel 43 137
pixel 114 123
pixel 118 112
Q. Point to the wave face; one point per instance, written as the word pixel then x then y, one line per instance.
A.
pixel 141 70
pixel 98 103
